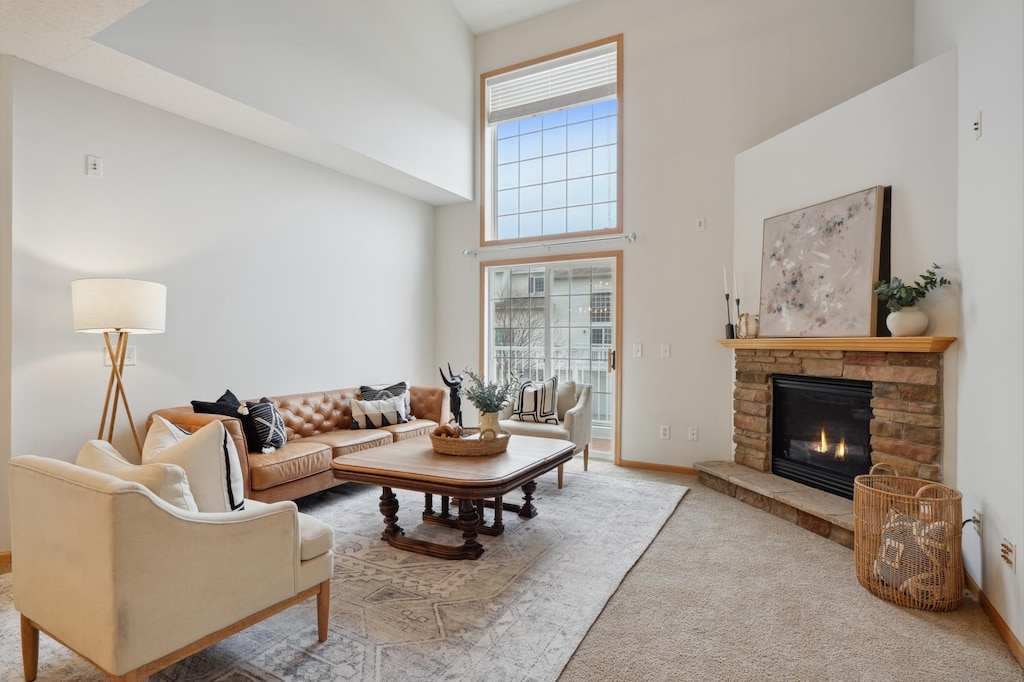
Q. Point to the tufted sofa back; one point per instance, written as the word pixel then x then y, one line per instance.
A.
pixel 310 414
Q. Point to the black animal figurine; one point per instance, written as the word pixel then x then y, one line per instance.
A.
pixel 455 384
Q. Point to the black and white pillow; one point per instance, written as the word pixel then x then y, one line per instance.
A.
pixel 229 406
pixel 373 414
pixel 537 401
pixel 381 392
pixel 269 424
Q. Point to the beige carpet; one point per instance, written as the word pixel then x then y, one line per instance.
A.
pixel 517 613
pixel 728 592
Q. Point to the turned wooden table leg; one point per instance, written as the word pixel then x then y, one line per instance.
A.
pixel 528 511
pixel 389 508
pixel 468 520
pixel 497 525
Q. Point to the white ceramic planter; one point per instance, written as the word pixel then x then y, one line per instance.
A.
pixel 489 428
pixel 907 322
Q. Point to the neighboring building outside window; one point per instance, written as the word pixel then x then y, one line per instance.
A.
pixel 601 307
pixel 552 146
pixel 601 336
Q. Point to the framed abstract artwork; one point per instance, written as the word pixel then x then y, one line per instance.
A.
pixel 819 265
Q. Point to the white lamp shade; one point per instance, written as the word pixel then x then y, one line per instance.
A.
pixel 109 304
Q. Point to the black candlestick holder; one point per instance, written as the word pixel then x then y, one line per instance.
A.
pixel 730 330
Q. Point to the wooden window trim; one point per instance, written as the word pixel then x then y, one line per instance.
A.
pixel 485 174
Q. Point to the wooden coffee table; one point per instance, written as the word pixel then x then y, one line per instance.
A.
pixel 413 465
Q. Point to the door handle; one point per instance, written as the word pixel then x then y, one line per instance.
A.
pixel 611 360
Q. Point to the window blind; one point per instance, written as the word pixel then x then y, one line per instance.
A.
pixel 567 81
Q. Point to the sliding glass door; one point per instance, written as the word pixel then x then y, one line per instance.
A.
pixel 556 318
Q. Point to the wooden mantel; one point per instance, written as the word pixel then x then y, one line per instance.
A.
pixel 891 344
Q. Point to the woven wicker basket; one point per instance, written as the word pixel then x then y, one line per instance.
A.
pixel 907 540
pixel 471 444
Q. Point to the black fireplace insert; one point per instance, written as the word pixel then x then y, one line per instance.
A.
pixel 821 431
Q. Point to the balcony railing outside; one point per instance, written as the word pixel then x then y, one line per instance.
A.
pixel 583 365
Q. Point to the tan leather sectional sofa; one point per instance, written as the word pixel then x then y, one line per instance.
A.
pixel 318 428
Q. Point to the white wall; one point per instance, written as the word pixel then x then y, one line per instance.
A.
pixel 901 133
pixel 703 81
pixel 282 276
pixel 391 80
pixel 989 38
pixel 6 183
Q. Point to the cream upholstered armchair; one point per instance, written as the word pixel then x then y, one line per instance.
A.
pixel 574 421
pixel 133 583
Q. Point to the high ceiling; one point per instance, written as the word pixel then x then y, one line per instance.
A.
pixel 57 34
pixel 482 16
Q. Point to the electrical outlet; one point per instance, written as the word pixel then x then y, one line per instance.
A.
pixel 977 127
pixel 129 357
pixel 1008 553
pixel 94 166
pixel 691 433
pixel 976 522
pixel 700 224
pixel 666 433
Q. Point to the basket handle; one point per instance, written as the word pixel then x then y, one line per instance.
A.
pixel 930 486
pixel 887 467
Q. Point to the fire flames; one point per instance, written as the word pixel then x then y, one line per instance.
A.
pixel 824 448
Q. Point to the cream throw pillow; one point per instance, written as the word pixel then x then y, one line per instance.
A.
pixel 566 398
pixel 166 481
pixel 208 457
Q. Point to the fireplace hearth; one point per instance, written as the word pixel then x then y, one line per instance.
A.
pixel 821 431
pixel 906 423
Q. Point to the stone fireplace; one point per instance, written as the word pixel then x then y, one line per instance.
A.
pixel 904 429
pixel 906 403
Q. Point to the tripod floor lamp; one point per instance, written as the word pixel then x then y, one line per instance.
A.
pixel 116 308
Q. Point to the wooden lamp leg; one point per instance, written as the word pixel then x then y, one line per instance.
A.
pixel 116 385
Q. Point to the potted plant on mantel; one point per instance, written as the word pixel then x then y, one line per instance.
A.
pixel 489 397
pixel 901 298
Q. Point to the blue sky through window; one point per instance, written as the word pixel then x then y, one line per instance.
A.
pixel 556 173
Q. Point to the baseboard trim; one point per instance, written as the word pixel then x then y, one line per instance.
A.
pixel 1004 631
pixel 5 562
pixel 630 464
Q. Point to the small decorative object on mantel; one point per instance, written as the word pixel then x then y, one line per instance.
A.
pixel 747 326
pixel 905 318
pixel 730 330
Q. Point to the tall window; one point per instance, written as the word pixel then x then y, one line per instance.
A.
pixel 551 145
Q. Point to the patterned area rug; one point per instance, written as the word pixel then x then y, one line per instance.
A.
pixel 517 613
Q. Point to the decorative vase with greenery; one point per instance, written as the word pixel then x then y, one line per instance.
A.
pixel 901 298
pixel 489 397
